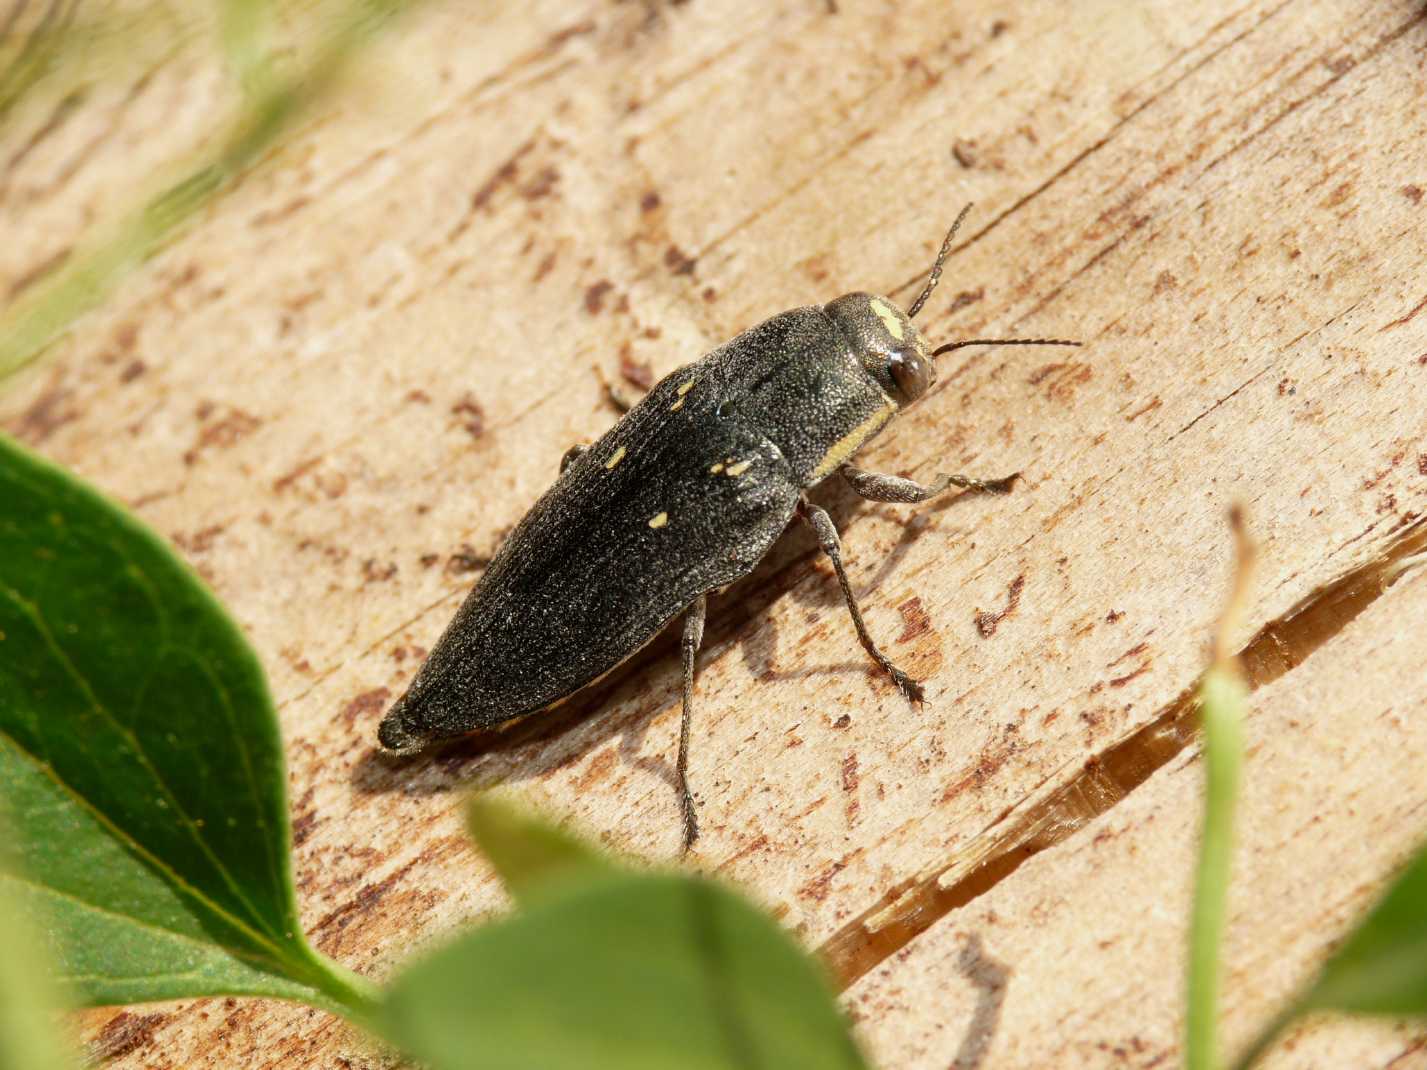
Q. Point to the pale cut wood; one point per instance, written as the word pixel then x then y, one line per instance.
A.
pixel 358 370
pixel 1091 935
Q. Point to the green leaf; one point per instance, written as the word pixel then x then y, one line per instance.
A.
pixel 1381 968
pixel 1222 701
pixel 29 1005
pixel 140 762
pixel 531 856
pixel 626 971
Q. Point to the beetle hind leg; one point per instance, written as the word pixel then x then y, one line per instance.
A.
pixel 881 488
pixel 826 532
pixel 570 455
pixel 693 639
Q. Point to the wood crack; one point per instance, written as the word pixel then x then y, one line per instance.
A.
pixel 1080 792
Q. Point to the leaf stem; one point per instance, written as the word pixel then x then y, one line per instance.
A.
pixel 1268 1035
pixel 347 994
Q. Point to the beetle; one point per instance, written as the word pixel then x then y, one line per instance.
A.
pixel 683 496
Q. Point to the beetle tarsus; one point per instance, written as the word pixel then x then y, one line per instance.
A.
pixel 911 690
pixel 984 486
pixel 691 821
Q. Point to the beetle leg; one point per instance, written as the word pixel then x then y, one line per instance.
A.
pixel 880 488
pixel 570 455
pixel 618 398
pixel 693 638
pixel 826 532
pixel 615 395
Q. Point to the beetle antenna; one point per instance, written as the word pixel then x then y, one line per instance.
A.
pixel 1002 342
pixel 936 267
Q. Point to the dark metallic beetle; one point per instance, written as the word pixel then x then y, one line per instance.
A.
pixel 682 496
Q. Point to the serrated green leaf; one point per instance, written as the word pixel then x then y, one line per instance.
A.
pixel 626 971
pixel 140 762
pixel 1381 968
pixel 531 856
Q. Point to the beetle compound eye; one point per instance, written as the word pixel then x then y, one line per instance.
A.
pixel 910 375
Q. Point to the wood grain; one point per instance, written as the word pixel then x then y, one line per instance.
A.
pixel 340 388
pixel 1091 934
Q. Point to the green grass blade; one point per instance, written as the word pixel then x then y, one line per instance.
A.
pixel 1222 696
pixel 242 28
pixel 44 314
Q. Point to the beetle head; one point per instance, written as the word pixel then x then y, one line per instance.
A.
pixel 892 350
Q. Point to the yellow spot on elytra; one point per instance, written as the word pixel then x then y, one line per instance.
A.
pixel 888 315
pixel 659 521
pixel 677 405
pixel 716 469
pixel 685 387
pixel 615 457
pixel 739 468
pixel 849 443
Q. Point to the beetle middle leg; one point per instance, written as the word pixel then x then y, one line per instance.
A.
pixel 826 532
pixel 693 639
pixel 880 488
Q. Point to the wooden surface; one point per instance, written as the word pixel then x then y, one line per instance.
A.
pixel 356 371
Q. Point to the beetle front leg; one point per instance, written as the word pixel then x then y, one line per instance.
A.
pixel 826 532
pixel 880 488
pixel 693 639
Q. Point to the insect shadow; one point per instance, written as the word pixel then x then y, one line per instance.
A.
pixel 990 978
pixel 845 505
pixel 535 747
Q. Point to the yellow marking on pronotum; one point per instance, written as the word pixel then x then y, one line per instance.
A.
pixel 848 444
pixel 615 457
pixel 739 468
pixel 888 315
pixel 677 405
pixel 716 469
pixel 659 521
pixel 685 387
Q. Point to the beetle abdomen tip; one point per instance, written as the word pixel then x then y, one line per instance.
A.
pixel 395 737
